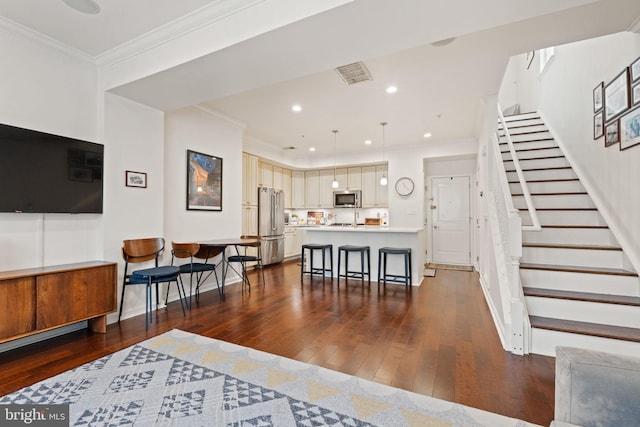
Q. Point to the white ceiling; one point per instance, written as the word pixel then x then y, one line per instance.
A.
pixel 440 89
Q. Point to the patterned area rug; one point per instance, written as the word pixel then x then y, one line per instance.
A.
pixel 183 379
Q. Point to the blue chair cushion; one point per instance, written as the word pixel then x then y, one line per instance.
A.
pixel 157 274
pixel 197 267
pixel 242 258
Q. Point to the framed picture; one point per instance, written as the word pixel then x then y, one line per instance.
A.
pixel 204 182
pixel 630 129
pixel 612 133
pixel 598 128
pixel 616 96
pixel 135 179
pixel 597 97
pixel 635 70
pixel 635 94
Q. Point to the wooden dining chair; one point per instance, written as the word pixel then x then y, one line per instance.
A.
pixel 144 250
pixel 200 264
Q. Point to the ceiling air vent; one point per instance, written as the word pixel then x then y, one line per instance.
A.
pixel 354 73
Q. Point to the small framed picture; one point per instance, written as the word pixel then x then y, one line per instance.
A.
pixel 630 129
pixel 635 70
pixel 136 179
pixel 612 133
pixel 598 128
pixel 597 97
pixel 616 96
pixel 635 94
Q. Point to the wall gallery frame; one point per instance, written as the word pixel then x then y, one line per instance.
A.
pixel 598 125
pixel 616 96
pixel 612 133
pixel 204 182
pixel 597 97
pixel 635 70
pixel 135 179
pixel 630 129
pixel 635 94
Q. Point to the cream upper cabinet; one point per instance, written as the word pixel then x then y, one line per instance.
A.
pixel 374 195
pixel 249 179
pixel 265 172
pixel 278 182
pixel 297 190
pixel 286 187
pixel 325 190
pixel 354 176
pixel 312 189
pixel 342 176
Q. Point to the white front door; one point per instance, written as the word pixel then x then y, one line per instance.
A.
pixel 450 214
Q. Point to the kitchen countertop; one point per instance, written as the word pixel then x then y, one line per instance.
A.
pixel 363 229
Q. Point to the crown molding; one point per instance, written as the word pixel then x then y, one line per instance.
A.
pixel 212 112
pixel 13 29
pixel 194 21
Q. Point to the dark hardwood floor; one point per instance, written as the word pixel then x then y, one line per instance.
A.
pixel 438 339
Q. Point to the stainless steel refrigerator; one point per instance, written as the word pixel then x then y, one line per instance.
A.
pixel 271 224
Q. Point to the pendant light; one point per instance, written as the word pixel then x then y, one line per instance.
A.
pixel 335 183
pixel 383 180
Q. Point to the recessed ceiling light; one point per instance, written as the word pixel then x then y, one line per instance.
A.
pixel 368 142
pixel 312 148
pixel 84 6
pixel 296 108
pixel 427 135
pixel 392 89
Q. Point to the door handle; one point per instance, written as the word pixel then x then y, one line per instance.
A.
pixel 433 206
pixel 436 226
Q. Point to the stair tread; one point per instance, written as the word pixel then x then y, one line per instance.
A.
pixel 531 149
pixel 535 158
pixel 513 117
pixel 573 226
pixel 572 246
pixel 569 193
pixel 524 133
pixel 566 209
pixel 578 269
pixel 546 180
pixel 585 328
pixel 541 169
pixel 528 140
pixel 582 296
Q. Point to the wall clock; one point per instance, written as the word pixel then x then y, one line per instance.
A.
pixel 404 186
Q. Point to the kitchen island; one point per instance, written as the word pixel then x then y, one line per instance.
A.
pixel 375 237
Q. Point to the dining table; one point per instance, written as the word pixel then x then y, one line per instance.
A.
pixel 223 244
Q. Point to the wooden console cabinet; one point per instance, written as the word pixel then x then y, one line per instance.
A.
pixel 39 299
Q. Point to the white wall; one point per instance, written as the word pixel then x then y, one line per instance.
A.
pixel 566 104
pixel 54 92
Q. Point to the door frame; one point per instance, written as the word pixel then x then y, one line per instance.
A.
pixel 428 220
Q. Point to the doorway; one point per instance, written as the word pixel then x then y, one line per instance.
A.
pixel 450 209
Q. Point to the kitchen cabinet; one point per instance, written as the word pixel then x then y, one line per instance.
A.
pixel 297 189
pixel 292 244
pixel 349 178
pixel 374 195
pixel 265 174
pixel 249 179
pixel 250 220
pixel 286 187
pixel 312 189
pixel 325 190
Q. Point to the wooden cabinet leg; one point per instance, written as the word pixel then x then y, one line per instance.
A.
pixel 98 324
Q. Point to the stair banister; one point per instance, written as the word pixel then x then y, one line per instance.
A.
pixel 523 183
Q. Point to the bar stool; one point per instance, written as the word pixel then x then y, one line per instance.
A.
pixel 382 265
pixel 363 250
pixel 311 247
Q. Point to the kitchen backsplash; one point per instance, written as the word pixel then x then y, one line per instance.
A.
pixel 333 216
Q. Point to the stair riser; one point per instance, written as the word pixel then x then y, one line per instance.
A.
pixel 537 163
pixel 534 126
pixel 527 137
pixel 565 218
pixel 583 282
pixel 543 174
pixel 522 155
pixel 573 257
pixel 570 236
pixel 544 342
pixel 528 145
pixel 549 187
pixel 560 201
pixel 583 311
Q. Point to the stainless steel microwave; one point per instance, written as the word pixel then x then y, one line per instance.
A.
pixel 347 199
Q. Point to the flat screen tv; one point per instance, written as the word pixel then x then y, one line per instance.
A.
pixel 45 173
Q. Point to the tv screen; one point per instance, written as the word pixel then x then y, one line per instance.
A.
pixel 44 173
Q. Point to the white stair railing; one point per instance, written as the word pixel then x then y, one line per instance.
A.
pixel 506 228
pixel 523 183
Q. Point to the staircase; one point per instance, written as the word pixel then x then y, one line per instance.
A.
pixel 576 289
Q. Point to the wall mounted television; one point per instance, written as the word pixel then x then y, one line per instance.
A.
pixel 45 173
